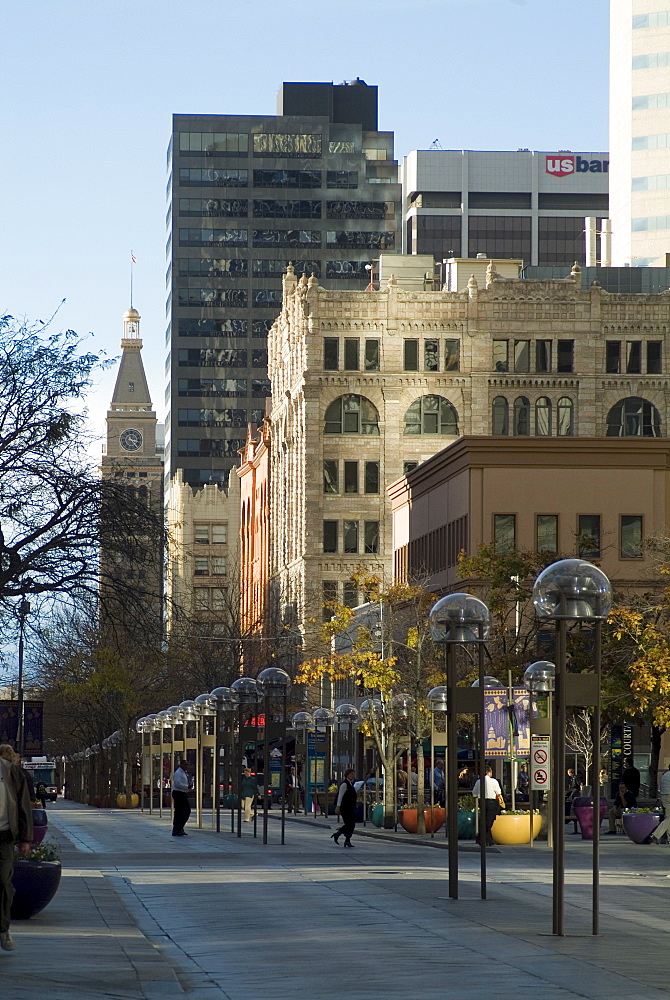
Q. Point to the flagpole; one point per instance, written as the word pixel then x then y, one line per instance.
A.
pixel 132 261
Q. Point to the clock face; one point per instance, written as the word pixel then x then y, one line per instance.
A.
pixel 131 439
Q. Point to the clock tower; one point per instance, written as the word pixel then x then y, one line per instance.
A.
pixel 132 455
pixel 131 420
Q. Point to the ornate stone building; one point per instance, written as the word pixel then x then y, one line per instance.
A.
pixel 365 385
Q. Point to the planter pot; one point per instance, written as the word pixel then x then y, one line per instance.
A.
pixel 40 825
pixel 434 818
pixel 466 825
pixel 515 829
pixel 583 810
pixel 35 884
pixel 639 826
pixel 121 800
pixel 95 801
pixel 377 814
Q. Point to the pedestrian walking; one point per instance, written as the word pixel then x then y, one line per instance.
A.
pixel 181 784
pixel 345 808
pixel 664 791
pixel 492 790
pixel 16 826
pixel 249 789
pixel 41 793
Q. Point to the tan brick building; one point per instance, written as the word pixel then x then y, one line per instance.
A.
pixel 367 384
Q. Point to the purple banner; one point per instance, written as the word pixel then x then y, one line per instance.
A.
pixel 507 727
pixel 33 714
pixel 9 722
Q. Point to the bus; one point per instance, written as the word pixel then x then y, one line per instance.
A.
pixel 45 770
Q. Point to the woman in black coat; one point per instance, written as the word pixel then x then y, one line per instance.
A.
pixel 345 808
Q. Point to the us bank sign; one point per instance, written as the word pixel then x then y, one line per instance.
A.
pixel 562 166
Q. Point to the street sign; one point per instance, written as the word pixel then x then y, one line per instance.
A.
pixel 540 763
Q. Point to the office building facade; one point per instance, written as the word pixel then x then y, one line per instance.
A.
pixel 526 205
pixel 316 185
pixel 640 131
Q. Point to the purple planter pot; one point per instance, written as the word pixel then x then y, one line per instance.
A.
pixel 638 826
pixel 583 810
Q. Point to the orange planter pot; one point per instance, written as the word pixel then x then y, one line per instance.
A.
pixel 434 819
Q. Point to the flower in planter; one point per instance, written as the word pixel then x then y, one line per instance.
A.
pixel 655 811
pixel 466 803
pixel 46 851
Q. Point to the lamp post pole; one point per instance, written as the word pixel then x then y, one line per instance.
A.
pixel 246 690
pixel 24 609
pixel 573 590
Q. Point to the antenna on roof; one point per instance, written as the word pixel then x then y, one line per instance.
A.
pixel 436 144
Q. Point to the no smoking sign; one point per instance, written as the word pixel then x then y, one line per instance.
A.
pixel 540 750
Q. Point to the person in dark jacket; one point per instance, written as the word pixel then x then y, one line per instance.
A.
pixel 631 777
pixel 16 826
pixel 345 808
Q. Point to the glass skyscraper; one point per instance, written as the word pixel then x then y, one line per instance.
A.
pixel 315 185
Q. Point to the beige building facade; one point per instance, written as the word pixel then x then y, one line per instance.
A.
pixel 203 543
pixel 367 385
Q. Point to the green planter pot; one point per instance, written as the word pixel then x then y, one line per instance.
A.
pixel 466 825
pixel 377 814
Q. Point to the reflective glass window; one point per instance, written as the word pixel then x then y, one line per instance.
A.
pixel 331 352
pixel 546 533
pixel 286 238
pixel 351 354
pixel 213 177
pixel 213 237
pixel 330 536
pixel 330 477
pixel 371 537
pixel 521 355
pixel 521 416
pixel 588 536
pixel 287 178
pixel 613 357
pixel 431 415
pixel 342 179
pixel 633 357
pixel 504 532
pixel 270 208
pixel 351 414
pixel 501 355
pixel 542 356
pixel 564 417
pixel 350 536
pixel 631 536
pixel 351 477
pixel 411 355
pixel 654 357
pixel 500 416
pixel 634 417
pixel 372 355
pixel 352 239
pixel 452 355
pixel 358 210
pixel 431 355
pixel 214 207
pixel 283 144
pixel 543 416
pixel 372 477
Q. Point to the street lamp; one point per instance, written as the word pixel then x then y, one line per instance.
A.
pixel 324 719
pixel 273 682
pixel 206 710
pixel 572 590
pixel 24 611
pixel 246 690
pixel 347 715
pixel 461 619
pixel 303 723
pixel 225 701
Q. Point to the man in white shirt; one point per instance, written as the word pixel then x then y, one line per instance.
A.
pixel 664 792
pixel 492 790
pixel 181 785
pixel 16 826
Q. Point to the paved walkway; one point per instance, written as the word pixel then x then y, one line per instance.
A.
pixel 142 916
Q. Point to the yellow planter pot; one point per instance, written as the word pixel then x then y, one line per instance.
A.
pixel 515 829
pixel 121 800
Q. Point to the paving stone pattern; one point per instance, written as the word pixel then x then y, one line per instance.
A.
pixel 141 915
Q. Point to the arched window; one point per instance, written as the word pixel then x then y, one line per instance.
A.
pixel 351 414
pixel 431 415
pixel 500 416
pixel 522 415
pixel 543 416
pixel 633 417
pixel 564 417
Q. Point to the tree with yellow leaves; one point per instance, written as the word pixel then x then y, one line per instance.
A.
pixel 385 653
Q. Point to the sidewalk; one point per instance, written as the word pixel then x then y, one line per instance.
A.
pixel 212 917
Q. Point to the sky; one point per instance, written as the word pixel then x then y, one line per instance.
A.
pixel 88 90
